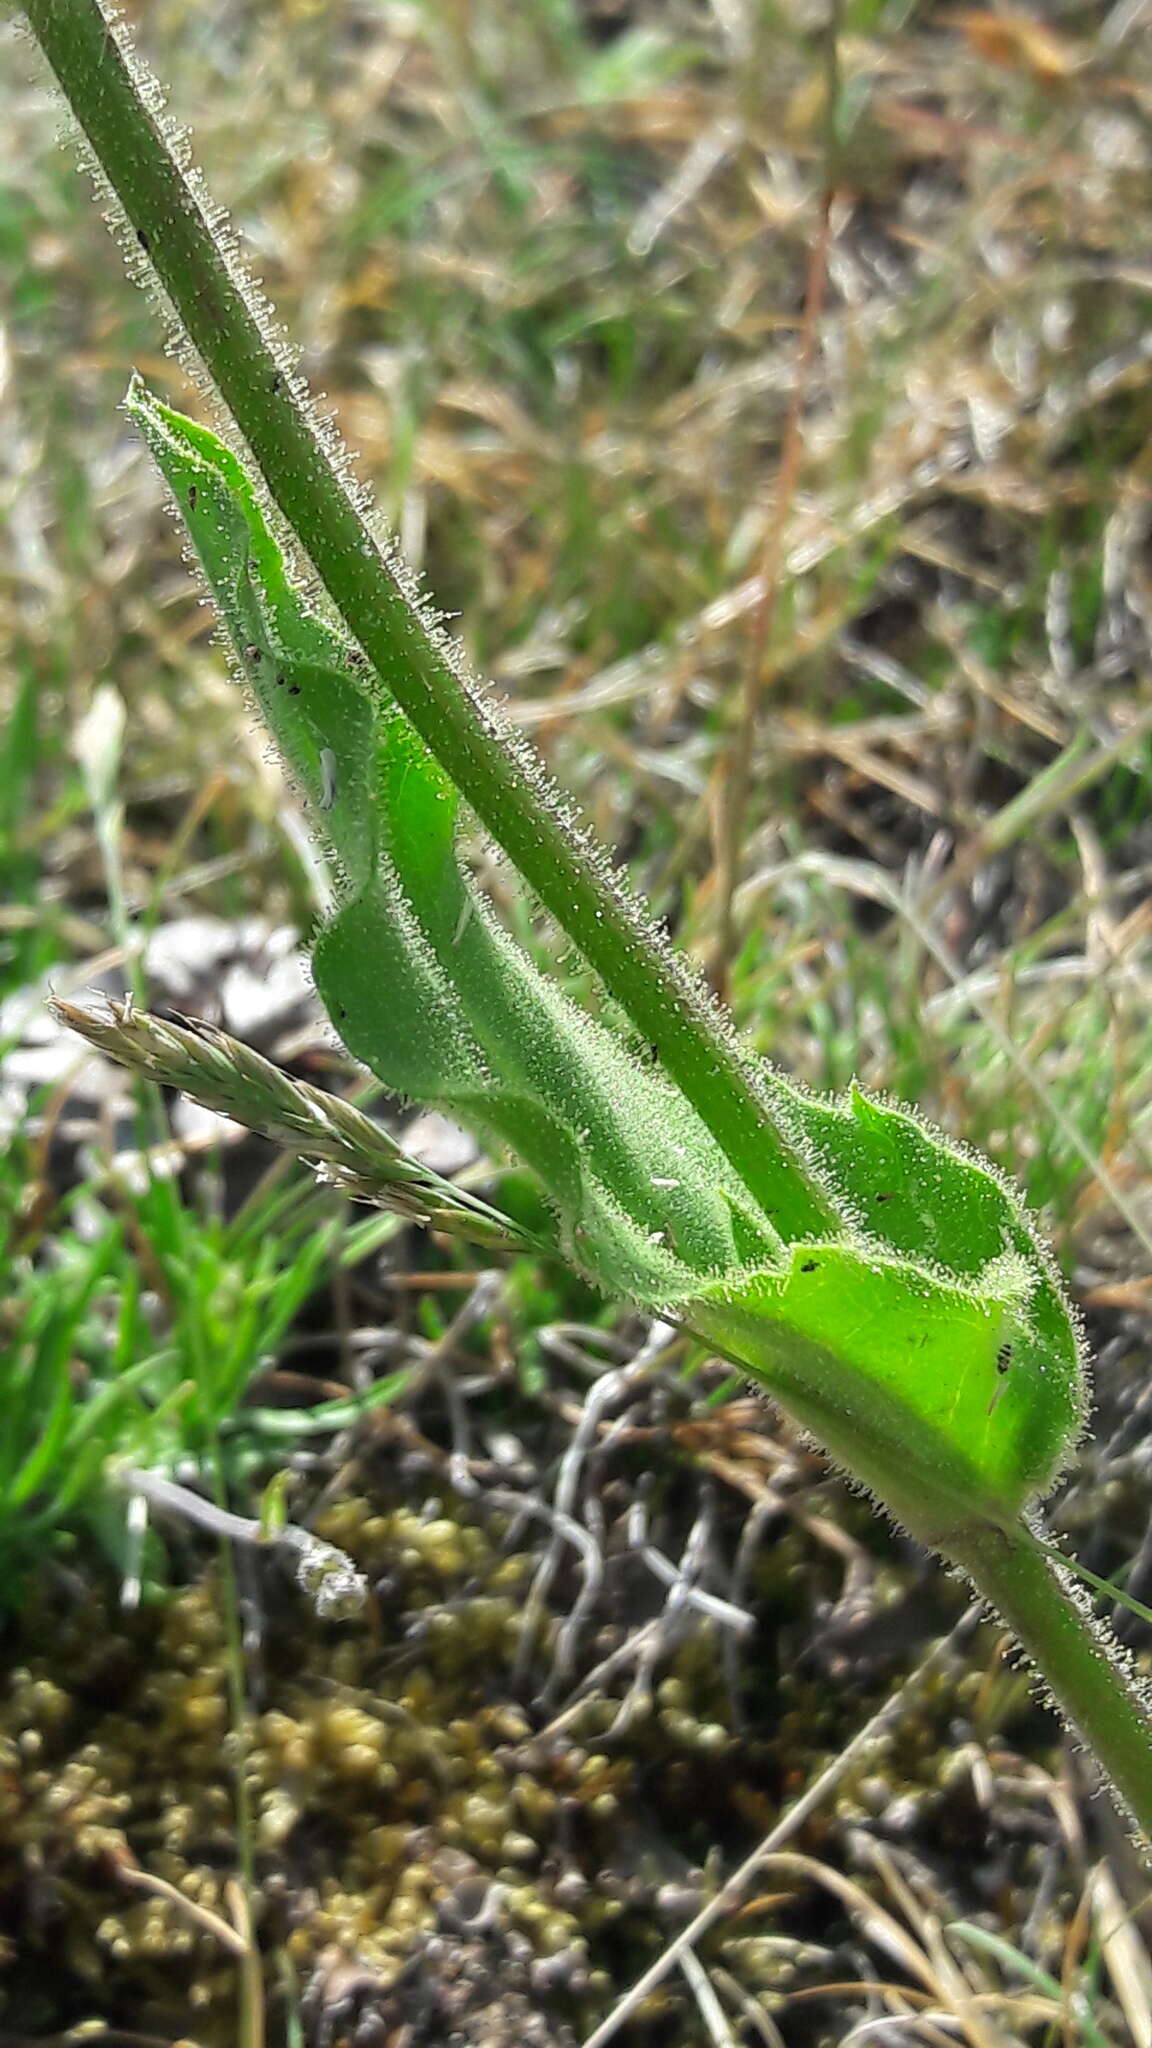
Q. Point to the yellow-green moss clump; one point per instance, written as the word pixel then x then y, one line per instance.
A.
pixel 429 1851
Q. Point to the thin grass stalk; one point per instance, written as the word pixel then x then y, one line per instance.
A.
pixel 737 774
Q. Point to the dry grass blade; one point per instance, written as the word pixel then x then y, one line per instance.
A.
pixel 1125 1955
pixel 738 768
pixel 237 1940
pixel 253 2032
pixel 711 2011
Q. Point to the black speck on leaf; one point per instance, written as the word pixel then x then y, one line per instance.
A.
pixel 193 494
pixel 293 689
pixel 143 240
pixel 810 1266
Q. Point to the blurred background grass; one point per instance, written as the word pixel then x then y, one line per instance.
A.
pixel 549 265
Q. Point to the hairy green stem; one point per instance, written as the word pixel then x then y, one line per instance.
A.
pixel 490 765
pixel 1085 1672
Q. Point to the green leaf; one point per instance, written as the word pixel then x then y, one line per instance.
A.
pixel 421 982
pixel 931 1349
pixel 942 1398
pixel 301 671
pixel 925 1339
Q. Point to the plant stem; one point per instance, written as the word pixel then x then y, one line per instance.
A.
pixel 237 1689
pixel 1086 1673
pixel 306 475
